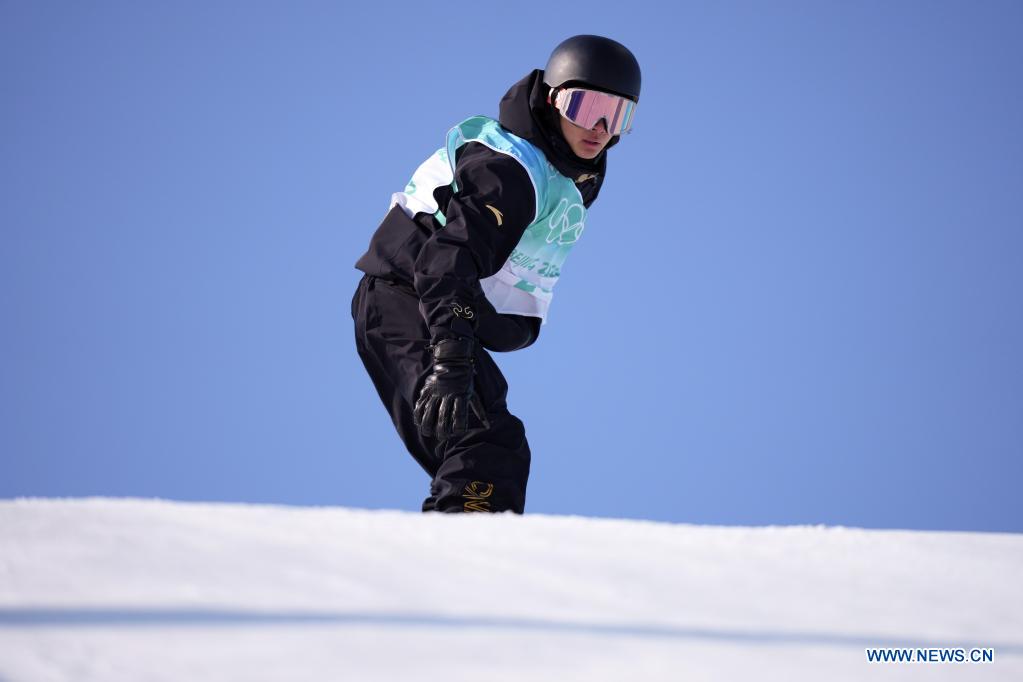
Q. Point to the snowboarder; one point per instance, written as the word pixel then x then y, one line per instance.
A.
pixel 466 259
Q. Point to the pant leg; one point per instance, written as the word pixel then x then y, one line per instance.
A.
pixel 486 469
pixel 391 339
pixel 482 470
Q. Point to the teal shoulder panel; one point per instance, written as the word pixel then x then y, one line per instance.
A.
pixel 524 284
pixel 489 132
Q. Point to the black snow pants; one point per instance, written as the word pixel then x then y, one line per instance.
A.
pixel 485 469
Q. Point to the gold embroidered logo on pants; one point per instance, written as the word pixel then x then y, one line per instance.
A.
pixel 476 494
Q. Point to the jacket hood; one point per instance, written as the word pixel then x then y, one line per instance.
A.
pixel 526 113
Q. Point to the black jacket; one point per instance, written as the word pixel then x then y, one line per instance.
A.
pixel 442 266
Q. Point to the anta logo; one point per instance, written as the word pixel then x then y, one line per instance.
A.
pixel 464 312
pixel 476 494
pixel 497 214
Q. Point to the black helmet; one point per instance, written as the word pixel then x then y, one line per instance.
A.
pixel 596 61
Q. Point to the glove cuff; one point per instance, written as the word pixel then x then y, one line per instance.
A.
pixel 453 348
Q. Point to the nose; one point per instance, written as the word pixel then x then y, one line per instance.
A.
pixel 601 125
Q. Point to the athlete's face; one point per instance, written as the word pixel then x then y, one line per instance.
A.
pixel 585 143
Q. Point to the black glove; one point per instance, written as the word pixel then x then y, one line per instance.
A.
pixel 442 409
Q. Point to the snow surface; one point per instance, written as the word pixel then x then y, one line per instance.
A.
pixel 138 590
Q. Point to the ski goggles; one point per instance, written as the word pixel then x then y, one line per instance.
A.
pixel 586 108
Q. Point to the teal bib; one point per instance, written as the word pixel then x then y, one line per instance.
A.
pixel 524 284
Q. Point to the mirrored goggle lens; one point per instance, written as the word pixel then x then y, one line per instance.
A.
pixel 587 107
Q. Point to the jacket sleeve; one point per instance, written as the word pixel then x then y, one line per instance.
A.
pixel 504 332
pixel 487 215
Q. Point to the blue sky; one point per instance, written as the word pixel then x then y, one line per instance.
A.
pixel 797 299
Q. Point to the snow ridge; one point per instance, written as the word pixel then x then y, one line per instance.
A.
pixel 129 589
